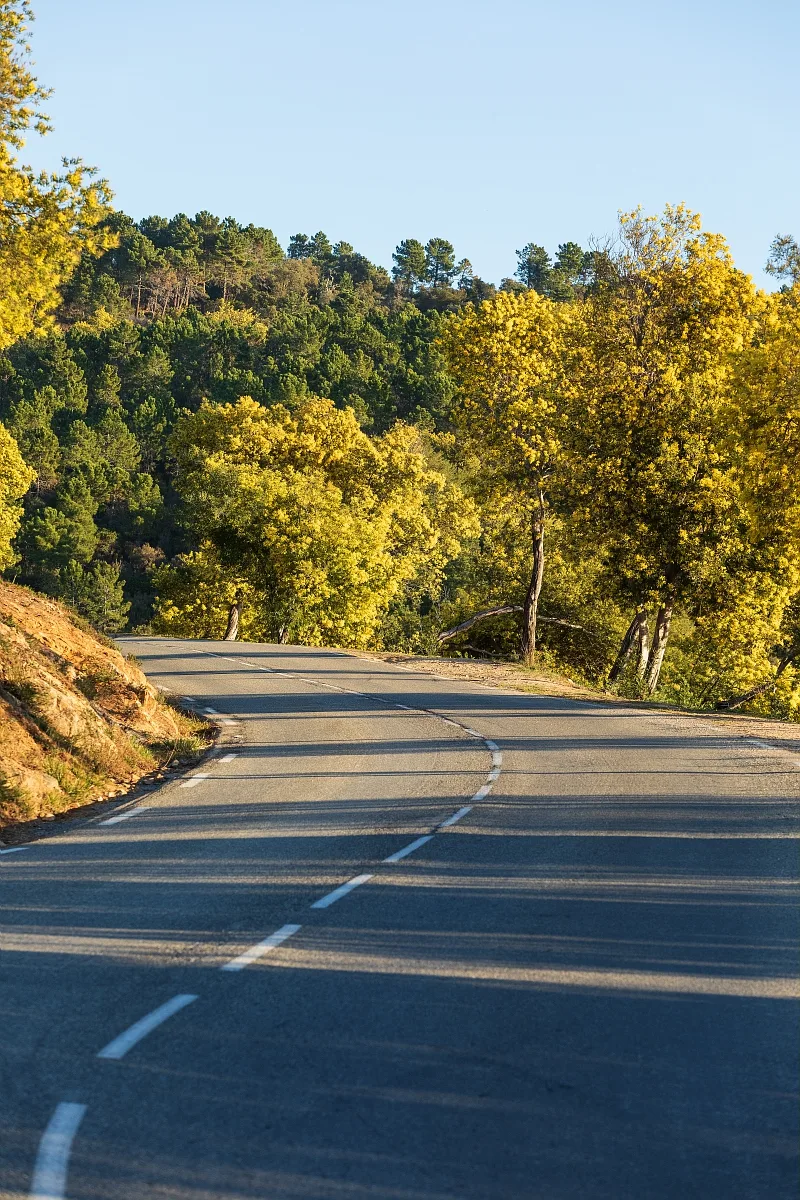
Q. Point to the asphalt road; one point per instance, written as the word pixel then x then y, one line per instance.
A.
pixel 583 987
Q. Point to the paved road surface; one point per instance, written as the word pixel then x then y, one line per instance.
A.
pixel 584 987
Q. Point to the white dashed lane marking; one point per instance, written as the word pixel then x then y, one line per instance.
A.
pixel 132 812
pixel 462 812
pixel 337 893
pixel 409 849
pixel 261 948
pixel 52 1160
pixel 122 1044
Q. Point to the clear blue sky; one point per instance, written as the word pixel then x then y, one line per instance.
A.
pixel 488 122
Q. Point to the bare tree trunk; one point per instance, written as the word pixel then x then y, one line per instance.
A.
pixel 234 617
pixel 642 649
pixel 498 611
pixel 738 701
pixel 636 636
pixel 659 649
pixel 531 607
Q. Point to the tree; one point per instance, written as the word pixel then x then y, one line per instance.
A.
pixel 654 351
pixel 97 593
pixel 317 525
pixel 410 264
pixel 440 262
pixel 299 246
pixel 533 267
pixel 511 413
pixel 47 220
pixel 784 258
pixel 15 479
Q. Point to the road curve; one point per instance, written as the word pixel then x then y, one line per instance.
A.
pixel 350 956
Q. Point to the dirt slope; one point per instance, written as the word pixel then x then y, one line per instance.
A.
pixel 78 721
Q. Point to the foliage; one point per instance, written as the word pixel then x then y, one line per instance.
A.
pixel 47 221
pixel 321 524
pixel 15 478
pixel 161 379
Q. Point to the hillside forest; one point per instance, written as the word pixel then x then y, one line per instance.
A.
pixel 591 467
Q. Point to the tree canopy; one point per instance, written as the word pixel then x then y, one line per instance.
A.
pixel 592 462
pixel 318 524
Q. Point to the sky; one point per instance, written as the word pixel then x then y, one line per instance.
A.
pixel 491 123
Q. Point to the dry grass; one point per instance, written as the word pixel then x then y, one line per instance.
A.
pixel 78 721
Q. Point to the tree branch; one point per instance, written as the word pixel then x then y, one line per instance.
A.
pixel 497 611
pixel 737 701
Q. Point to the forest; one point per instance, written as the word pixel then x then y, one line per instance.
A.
pixel 591 467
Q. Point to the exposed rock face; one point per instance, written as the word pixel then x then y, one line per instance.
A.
pixel 77 719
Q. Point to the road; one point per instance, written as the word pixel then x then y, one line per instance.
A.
pixel 585 986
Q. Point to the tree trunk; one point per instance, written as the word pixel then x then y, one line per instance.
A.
pixel 531 608
pixel 234 617
pixel 642 648
pixel 498 611
pixel 637 635
pixel 659 649
pixel 738 701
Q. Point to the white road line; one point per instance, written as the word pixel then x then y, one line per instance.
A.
pixel 190 699
pixel 227 758
pixel 122 1044
pixel 52 1158
pixel 462 812
pixel 228 721
pixel 13 850
pixel 409 849
pixel 482 792
pixel 337 893
pixel 269 943
pixel 212 711
pixel 195 779
pixel 132 812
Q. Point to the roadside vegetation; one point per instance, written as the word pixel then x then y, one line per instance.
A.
pixel 591 468
pixel 78 721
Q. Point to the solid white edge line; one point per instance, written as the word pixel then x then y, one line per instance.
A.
pixel 462 812
pixel 269 943
pixel 13 850
pixel 337 893
pixel 132 812
pixel 211 711
pixel 120 1046
pixel 409 849
pixel 52 1158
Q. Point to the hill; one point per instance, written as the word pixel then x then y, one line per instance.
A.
pixel 78 721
